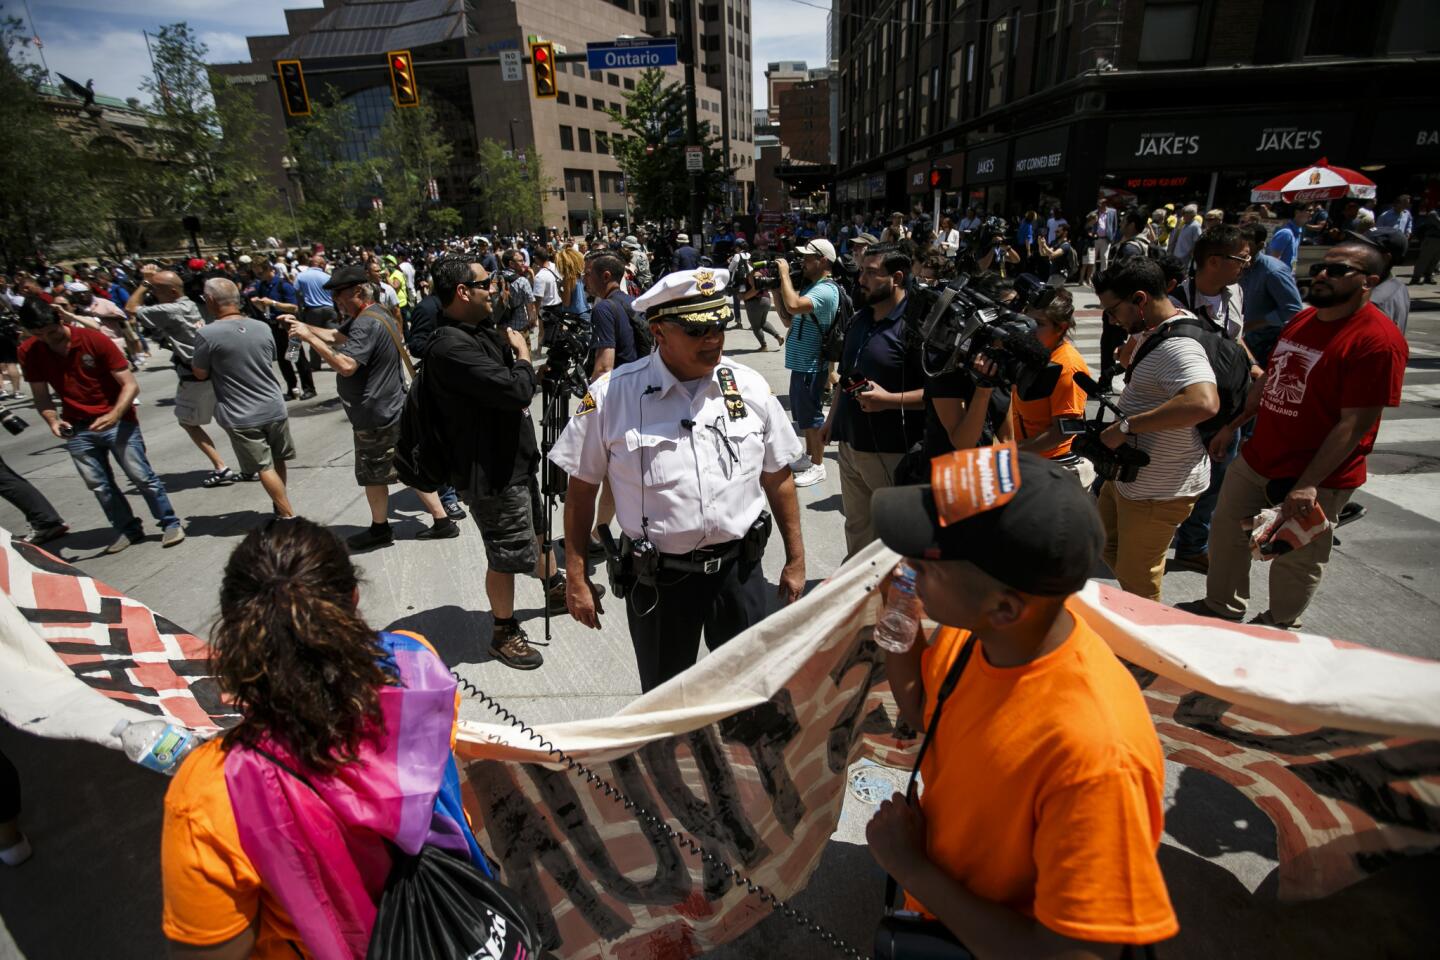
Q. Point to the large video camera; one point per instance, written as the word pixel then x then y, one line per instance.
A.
pixel 1124 462
pixel 960 324
pixel 567 342
pixel 762 275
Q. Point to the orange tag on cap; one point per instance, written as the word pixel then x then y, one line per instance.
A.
pixel 967 482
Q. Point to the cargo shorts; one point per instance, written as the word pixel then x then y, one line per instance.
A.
pixel 508 520
pixel 375 456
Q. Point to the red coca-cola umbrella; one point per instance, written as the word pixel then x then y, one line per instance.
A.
pixel 1320 182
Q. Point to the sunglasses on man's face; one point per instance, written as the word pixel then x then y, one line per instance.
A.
pixel 1332 270
pixel 699 331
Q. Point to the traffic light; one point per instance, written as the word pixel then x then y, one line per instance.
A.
pixel 402 79
pixel 292 88
pixel 542 64
pixel 939 178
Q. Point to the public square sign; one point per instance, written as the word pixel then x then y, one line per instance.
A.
pixel 633 53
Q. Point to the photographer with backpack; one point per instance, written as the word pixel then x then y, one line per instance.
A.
pixel 1170 389
pixel 808 316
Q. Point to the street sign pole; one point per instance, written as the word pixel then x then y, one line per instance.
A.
pixel 692 124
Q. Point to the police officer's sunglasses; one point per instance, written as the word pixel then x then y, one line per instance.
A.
pixel 701 330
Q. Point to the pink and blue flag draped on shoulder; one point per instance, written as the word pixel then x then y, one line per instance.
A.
pixel 323 845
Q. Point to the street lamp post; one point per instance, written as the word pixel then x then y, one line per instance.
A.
pixel 513 121
pixel 291 165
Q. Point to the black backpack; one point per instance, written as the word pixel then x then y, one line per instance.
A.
pixel 832 340
pixel 420 459
pixel 1228 360
pixel 639 329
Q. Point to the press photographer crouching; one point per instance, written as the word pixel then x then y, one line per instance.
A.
pixel 1037 830
pixel 1169 390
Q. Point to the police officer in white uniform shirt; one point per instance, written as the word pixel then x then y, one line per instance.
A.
pixel 694 446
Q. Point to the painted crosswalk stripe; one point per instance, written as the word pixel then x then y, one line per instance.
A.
pixel 1417 492
pixel 1419 430
pixel 1420 393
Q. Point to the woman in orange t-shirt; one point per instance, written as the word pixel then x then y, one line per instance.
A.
pixel 1037 421
pixel 1037 829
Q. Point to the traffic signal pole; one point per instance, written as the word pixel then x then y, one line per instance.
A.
pixel 692 123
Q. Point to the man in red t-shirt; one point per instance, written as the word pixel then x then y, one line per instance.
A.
pixel 1337 366
pixel 97 418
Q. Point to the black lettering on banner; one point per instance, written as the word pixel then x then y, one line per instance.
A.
pixel 765 730
pixel 1365 781
pixel 1205 713
pixel 719 820
pixel 523 841
pixel 671 883
pixel 847 728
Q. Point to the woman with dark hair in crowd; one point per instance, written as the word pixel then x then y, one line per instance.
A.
pixel 277 836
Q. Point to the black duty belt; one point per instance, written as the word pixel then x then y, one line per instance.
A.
pixel 707 560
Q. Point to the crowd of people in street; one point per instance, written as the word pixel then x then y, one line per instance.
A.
pixel 1249 380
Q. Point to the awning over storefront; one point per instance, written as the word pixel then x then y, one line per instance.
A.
pixel 1265 144
pixel 1040 154
pixel 987 163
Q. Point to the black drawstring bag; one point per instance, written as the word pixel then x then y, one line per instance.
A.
pixel 438 907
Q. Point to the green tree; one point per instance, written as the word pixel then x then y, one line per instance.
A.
pixel 337 188
pixel 508 192
pixel 42 164
pixel 205 134
pixel 652 152
pixel 410 151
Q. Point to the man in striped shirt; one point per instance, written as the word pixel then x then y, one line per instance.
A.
pixel 1167 393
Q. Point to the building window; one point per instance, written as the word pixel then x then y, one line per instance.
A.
pixel 629 84
pixel 561 97
pixel 567 138
pixel 584 140
pixel 998 71
pixel 578 70
pixel 1167 34
pixel 582 101
pixel 1415 28
pixel 602 142
pixel 1047 38
pixel 579 181
pixel 599 104
pixel 613 79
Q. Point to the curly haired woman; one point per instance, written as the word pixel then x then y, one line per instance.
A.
pixel 277 836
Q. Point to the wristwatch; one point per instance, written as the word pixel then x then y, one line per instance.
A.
pixel 1125 427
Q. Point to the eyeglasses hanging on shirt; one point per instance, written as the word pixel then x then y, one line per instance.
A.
pixel 717 427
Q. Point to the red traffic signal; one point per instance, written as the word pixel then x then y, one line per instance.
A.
pixel 402 79
pixel 292 88
pixel 939 178
pixel 542 66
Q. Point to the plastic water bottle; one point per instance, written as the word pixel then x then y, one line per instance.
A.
pixel 155 744
pixel 895 630
pixel 292 350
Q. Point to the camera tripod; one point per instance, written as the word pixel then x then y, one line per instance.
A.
pixel 555 395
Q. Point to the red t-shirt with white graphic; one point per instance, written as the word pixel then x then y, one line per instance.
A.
pixel 1317 370
pixel 82 378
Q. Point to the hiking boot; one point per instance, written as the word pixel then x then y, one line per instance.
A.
pixel 376 535
pixel 46 534
pixel 555 597
pixel 1202 609
pixel 511 647
pixel 172 536
pixel 1198 562
pixel 440 530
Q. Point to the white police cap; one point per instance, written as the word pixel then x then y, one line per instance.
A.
pixel 688 296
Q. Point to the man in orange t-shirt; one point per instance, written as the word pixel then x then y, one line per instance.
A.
pixel 1037 829
pixel 1036 421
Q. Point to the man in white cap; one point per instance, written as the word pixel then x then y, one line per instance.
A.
pixel 694 446
pixel 807 315
pixel 685 257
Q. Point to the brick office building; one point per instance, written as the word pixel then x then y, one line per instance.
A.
pixel 1039 102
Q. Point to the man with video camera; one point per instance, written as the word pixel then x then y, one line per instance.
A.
pixel 1036 834
pixel 1168 392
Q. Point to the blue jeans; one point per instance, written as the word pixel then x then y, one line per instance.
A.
pixel 91 451
pixel 449 499
pixel 1194 534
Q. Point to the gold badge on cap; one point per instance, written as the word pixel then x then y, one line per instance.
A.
pixel 704 283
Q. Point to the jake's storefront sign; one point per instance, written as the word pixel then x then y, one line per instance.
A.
pixel 986 164
pixel 1243 142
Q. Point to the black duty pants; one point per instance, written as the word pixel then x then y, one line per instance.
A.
pixel 9 790
pixel 27 499
pixel 666 620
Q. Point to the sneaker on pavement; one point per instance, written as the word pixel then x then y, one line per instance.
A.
pixel 123 541
pixel 1200 608
pixel 555 597
pixel 1266 619
pixel 456 513
pixel 172 536
pixel 439 530
pixel 511 647
pixel 46 534
pixel 810 475
pixel 1198 562
pixel 307 395
pixel 370 538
